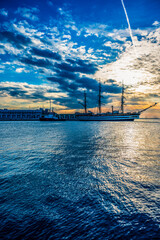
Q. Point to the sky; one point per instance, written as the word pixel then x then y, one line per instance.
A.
pixel 56 49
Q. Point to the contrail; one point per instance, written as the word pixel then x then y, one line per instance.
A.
pixel 129 26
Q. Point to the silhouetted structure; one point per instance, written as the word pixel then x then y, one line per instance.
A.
pixel 20 115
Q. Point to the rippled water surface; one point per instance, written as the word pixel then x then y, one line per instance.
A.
pixel 79 180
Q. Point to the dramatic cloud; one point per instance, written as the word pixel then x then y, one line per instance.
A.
pixel 78 66
pixel 16 39
pixel 29 92
pixel 142 67
pixel 45 53
pixel 44 63
pixel 70 49
pixel 81 83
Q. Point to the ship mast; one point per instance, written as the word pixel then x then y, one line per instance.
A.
pixel 50 104
pixel 84 104
pixel 99 98
pixel 122 99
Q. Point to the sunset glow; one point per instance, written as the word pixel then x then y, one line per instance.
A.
pixel 54 50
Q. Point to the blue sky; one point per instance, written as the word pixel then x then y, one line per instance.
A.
pixel 57 49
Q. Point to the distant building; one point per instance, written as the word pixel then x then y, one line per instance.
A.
pixel 20 115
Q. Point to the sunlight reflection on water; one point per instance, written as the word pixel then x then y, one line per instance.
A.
pixel 89 169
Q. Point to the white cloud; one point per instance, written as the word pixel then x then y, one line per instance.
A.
pixel 10 49
pixel 156 23
pixel 3 12
pixel 101 30
pixel 106 55
pixel 113 45
pixel 72 27
pixel 90 50
pixel 140 70
pixel 97 30
pixel 67 14
pixel 28 13
pixel 2 68
pixel 20 70
pixel 2 51
pixel 67 36
pixel 66 19
pixel 61 11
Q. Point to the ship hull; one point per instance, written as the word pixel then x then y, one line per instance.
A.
pixel 123 117
pixel 51 119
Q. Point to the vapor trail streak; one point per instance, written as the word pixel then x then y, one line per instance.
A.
pixel 129 26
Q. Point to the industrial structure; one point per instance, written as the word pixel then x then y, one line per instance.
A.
pixel 20 115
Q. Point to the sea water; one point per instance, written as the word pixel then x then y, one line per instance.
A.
pixel 79 180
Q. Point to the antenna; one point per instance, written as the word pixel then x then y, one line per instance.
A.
pixel 122 98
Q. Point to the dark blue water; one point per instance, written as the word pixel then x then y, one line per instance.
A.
pixel 79 180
